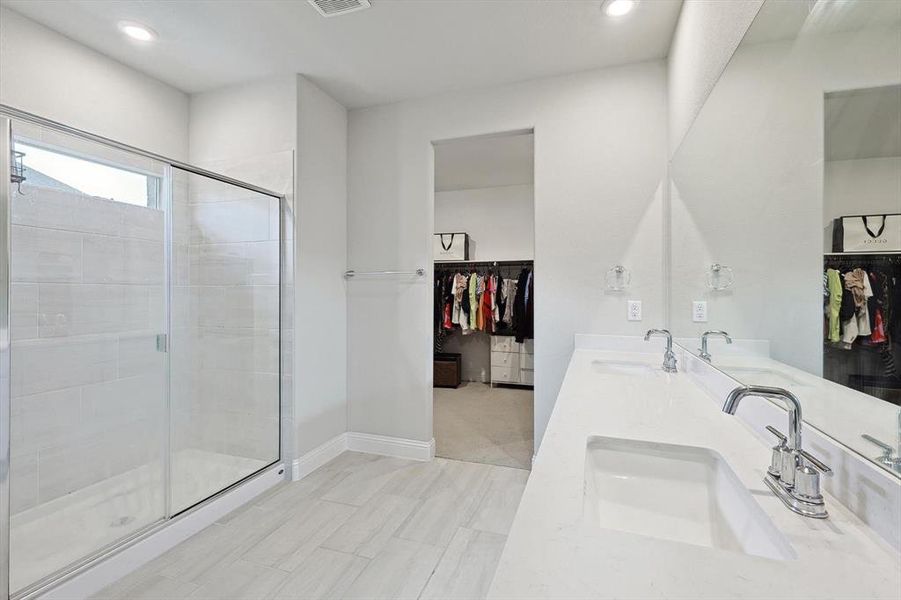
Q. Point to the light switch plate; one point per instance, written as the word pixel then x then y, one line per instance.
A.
pixel 699 311
pixel 635 310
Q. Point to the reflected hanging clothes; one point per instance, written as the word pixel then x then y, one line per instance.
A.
pixel 834 282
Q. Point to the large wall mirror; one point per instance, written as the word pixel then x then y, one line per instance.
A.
pixel 786 217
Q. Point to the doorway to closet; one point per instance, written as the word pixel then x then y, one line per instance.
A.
pixel 484 282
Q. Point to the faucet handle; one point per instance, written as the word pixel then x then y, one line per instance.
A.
pixel 815 462
pixel 782 460
pixel 779 435
pixel 886 449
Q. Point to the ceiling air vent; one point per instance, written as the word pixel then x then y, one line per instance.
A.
pixel 333 8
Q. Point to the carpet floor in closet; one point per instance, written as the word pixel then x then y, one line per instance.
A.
pixel 478 423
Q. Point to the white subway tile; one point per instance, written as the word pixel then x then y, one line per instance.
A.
pixel 253 307
pixel 45 365
pixel 45 255
pixel 77 309
pixel 23 470
pixel 113 404
pixel 238 349
pixel 50 208
pixel 43 420
pixel 239 221
pixel 23 311
pixel 120 260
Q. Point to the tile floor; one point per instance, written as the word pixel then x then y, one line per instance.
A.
pixel 478 423
pixel 363 526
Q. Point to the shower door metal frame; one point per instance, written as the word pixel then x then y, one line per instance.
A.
pixel 5 375
pixel 7 115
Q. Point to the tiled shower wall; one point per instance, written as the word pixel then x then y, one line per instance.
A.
pixel 87 301
pixel 86 305
pixel 225 319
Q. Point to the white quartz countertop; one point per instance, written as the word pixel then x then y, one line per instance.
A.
pixel 552 552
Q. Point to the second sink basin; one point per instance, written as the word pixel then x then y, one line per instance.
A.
pixel 679 493
pixel 612 367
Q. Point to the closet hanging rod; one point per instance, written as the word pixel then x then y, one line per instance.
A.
pixel 441 264
pixel 351 273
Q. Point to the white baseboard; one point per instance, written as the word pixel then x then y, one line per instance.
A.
pixel 391 446
pixel 93 578
pixel 318 456
pixel 361 442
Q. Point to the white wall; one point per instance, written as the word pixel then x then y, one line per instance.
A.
pixel 749 175
pixel 250 119
pixel 45 73
pixel 500 220
pixel 321 307
pixel 707 34
pixel 866 186
pixel 600 149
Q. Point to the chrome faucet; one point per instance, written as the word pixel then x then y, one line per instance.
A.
pixel 703 349
pixel 793 474
pixel 669 358
pixel 889 458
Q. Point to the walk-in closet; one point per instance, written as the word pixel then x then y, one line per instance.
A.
pixel 484 299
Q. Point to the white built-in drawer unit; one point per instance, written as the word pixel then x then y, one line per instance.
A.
pixel 512 362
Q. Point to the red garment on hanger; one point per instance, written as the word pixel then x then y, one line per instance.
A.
pixel 447 317
pixel 878 334
pixel 485 305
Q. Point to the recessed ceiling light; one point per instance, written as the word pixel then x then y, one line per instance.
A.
pixel 618 8
pixel 136 31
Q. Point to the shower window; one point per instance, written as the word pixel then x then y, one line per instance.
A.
pixel 54 168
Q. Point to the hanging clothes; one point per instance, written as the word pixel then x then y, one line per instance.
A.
pixel 509 295
pixel 523 313
pixel 470 301
pixel 486 302
pixel 473 300
pixel 501 303
pixel 835 302
pixel 459 286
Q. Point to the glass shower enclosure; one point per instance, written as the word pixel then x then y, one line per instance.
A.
pixel 140 344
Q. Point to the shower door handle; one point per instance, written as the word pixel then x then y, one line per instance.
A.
pixel 162 342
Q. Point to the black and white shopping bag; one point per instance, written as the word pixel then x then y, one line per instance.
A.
pixel 451 246
pixel 867 233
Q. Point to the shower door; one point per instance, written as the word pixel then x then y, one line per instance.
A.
pixel 143 344
pixel 87 320
pixel 225 335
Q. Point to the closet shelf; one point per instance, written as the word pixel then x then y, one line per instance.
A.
pixel 890 253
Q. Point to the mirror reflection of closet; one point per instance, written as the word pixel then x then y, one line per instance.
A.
pixel 862 222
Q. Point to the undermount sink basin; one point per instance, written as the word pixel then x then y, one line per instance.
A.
pixel 678 493
pixel 612 367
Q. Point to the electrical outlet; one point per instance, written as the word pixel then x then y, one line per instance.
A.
pixel 635 310
pixel 699 311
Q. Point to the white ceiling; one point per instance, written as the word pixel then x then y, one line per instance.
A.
pixel 485 161
pixel 395 50
pixel 863 123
